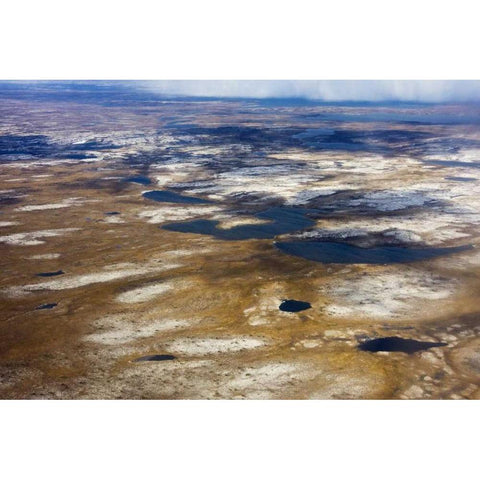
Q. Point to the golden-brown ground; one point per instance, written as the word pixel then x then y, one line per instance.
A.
pixel 132 289
pixel 222 296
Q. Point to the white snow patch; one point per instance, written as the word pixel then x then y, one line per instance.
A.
pixel 44 256
pixel 306 195
pixel 262 382
pixel 227 222
pixel 434 227
pixel 266 310
pixel 33 238
pixel 176 213
pixel 107 275
pixel 146 293
pixel 403 236
pixel 387 201
pixel 309 343
pixel 389 294
pixel 205 346
pixel 185 253
pixel 114 219
pixel 68 202
pixel 122 331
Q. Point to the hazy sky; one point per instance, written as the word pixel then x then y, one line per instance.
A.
pixel 329 90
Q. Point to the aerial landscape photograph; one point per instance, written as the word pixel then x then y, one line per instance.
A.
pixel 239 240
pixel 258 240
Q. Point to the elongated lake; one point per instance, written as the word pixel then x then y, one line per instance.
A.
pixel 333 252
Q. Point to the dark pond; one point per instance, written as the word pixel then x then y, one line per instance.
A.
pixel 281 220
pixel 332 252
pixel 171 197
pixel 6 200
pixel 397 344
pixel 50 274
pixel 294 306
pixel 141 179
pixel 112 213
pixel 314 132
pixel 453 163
pixel 78 156
pixel 155 358
pixel 44 146
pixel 412 117
pixel 46 306
pixel 461 179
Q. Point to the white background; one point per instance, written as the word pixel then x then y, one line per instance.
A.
pixel 248 39
pixel 208 39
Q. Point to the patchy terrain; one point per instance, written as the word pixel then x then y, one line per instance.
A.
pixel 148 243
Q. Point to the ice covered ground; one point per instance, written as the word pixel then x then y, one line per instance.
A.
pixel 107 274
pixel 33 238
pixel 68 202
pixel 169 213
pixel 119 329
pixel 391 293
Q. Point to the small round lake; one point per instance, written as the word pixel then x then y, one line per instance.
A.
pixel 294 306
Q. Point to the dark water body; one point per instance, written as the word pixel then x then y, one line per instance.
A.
pixel 112 213
pixel 46 306
pixel 78 156
pixel 172 197
pixel 332 252
pixel 461 179
pixel 384 140
pixel 42 146
pixel 396 327
pixel 397 344
pixel 141 179
pixel 50 274
pixel 413 117
pixel 24 145
pixel 179 124
pixel 281 220
pixel 6 200
pixel 452 163
pixel 347 147
pixel 155 358
pixel 294 306
pixel 314 132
